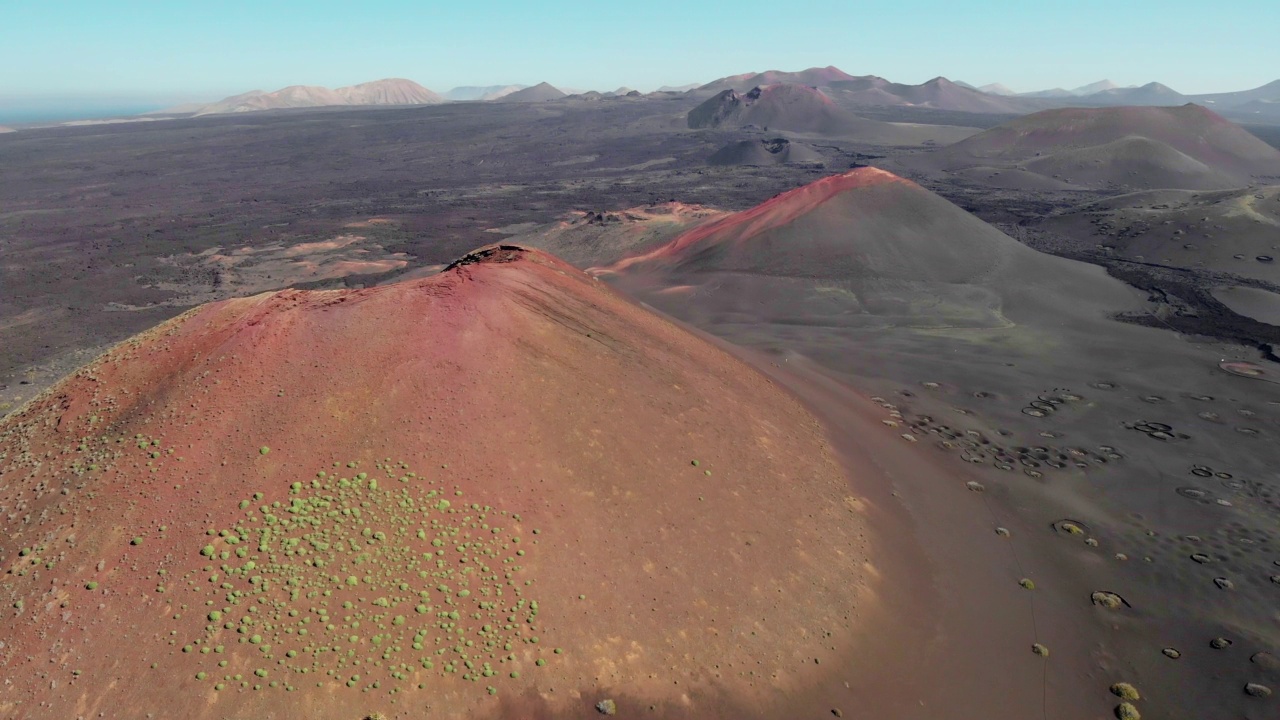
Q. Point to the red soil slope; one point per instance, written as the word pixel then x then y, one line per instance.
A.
pixel 452 496
pixel 733 230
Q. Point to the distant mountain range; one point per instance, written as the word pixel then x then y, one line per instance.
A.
pixel 1263 100
pixel 1006 91
pixel 853 91
pixel 1261 104
pixel 804 109
pixel 391 91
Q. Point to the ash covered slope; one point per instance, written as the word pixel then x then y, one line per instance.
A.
pixel 1140 147
pixel 861 249
pixel 765 152
pixel 425 487
pixel 1230 231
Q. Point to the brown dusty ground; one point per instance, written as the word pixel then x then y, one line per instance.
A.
pixel 217 489
pixel 1040 396
pixel 1116 458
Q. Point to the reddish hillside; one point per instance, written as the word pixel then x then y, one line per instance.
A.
pixel 769 215
pixel 499 483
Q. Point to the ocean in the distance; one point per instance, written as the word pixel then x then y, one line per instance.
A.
pixel 19 112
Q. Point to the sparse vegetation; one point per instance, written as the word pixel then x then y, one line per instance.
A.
pixel 1105 599
pixel 319 583
pixel 1257 690
pixel 1125 691
pixel 1127 711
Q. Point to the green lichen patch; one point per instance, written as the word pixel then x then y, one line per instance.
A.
pixel 368 580
pixel 1125 691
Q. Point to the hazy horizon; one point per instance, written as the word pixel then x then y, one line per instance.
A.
pixel 157 54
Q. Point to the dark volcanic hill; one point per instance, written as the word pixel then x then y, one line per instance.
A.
pixel 789 107
pixel 805 110
pixel 862 249
pixel 538 93
pixel 336 503
pixel 1137 147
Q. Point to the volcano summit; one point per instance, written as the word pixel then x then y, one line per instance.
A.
pixel 322 500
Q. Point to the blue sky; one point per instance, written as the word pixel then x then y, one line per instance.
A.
pixel 179 49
